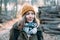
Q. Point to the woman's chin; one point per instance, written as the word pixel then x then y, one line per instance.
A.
pixel 30 21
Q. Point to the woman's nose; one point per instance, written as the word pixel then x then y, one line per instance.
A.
pixel 30 14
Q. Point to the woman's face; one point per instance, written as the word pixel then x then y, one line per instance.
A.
pixel 30 16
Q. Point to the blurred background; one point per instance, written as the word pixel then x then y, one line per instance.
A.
pixel 9 8
pixel 48 12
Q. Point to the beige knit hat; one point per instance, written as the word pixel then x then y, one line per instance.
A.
pixel 26 7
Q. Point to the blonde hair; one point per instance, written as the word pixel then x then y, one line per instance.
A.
pixel 37 19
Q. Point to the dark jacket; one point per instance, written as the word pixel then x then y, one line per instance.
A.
pixel 16 34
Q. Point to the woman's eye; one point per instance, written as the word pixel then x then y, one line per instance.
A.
pixel 27 14
pixel 32 13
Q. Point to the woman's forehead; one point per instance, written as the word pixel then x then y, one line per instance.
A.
pixel 30 12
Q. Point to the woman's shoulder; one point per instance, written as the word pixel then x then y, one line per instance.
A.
pixel 40 28
pixel 15 26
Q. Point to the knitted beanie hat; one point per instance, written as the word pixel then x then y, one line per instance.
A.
pixel 26 7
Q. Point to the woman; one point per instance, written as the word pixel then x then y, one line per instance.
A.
pixel 27 28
